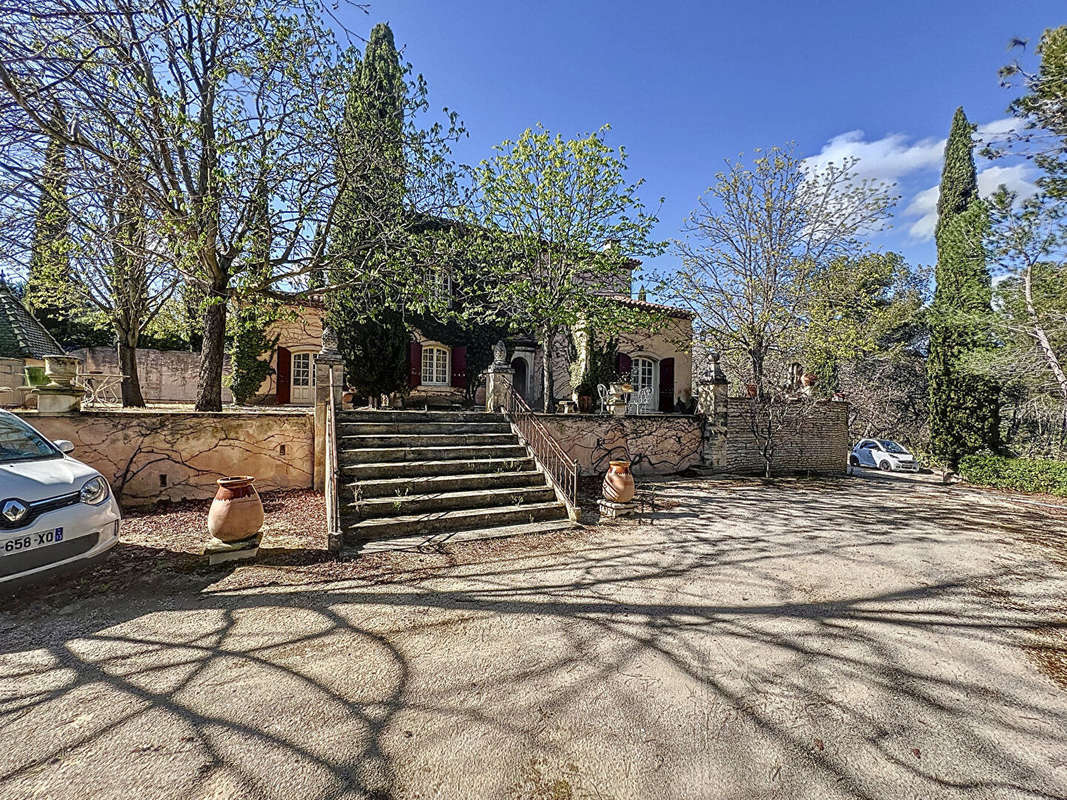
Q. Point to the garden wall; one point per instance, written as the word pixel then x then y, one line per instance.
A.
pixel 814 439
pixel 150 456
pixel 659 444
pixel 166 376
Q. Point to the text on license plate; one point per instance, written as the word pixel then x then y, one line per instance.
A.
pixel 30 541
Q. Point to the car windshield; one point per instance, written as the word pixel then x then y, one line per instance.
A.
pixel 20 442
pixel 892 447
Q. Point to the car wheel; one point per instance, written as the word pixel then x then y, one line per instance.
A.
pixel 853 461
pixel 885 465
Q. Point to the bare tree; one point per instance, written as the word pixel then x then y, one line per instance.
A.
pixel 755 242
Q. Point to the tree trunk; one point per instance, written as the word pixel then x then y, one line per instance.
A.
pixel 131 381
pixel 209 381
pixel 548 340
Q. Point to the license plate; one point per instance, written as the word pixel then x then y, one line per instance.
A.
pixel 31 541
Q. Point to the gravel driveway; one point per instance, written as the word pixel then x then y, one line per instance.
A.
pixel 873 638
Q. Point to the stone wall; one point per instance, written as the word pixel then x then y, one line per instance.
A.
pixel 150 456
pixel 657 444
pixel 11 376
pixel 167 376
pixel 811 438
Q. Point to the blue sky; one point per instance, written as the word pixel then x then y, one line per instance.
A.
pixel 686 84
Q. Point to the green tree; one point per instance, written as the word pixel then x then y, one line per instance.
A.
pixel 48 294
pixel 381 247
pixel 964 404
pixel 555 226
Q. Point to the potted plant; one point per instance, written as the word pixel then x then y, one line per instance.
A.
pixel 583 394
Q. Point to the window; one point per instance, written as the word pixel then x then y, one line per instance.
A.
pixel 643 373
pixel 442 287
pixel 301 369
pixel 434 366
pixel 20 442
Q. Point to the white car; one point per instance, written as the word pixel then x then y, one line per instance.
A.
pixel 55 512
pixel 884 454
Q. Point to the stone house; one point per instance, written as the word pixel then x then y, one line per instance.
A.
pixel 23 343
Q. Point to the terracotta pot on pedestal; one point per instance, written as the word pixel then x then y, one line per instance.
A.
pixel 236 512
pixel 618 482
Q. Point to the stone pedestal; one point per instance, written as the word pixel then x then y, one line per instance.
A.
pixel 611 510
pixel 712 398
pixel 498 383
pixel 219 552
pixel 60 400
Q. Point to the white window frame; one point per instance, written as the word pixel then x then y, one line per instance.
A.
pixel 442 286
pixel 443 355
pixel 310 370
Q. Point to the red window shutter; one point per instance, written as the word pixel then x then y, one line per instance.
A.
pixel 666 385
pixel 459 367
pixel 414 365
pixel 623 364
pixel 285 375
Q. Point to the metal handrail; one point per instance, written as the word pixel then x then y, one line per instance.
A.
pixel 561 469
pixel 333 507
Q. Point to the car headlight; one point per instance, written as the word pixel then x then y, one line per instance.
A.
pixel 95 491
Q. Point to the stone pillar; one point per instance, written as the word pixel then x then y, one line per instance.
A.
pixel 499 380
pixel 327 361
pixel 712 403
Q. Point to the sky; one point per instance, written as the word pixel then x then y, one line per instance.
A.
pixel 685 85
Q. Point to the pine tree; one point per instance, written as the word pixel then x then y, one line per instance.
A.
pixel 964 405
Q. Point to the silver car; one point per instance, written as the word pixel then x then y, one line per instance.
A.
pixel 55 512
pixel 883 454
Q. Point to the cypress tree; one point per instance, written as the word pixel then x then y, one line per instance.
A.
pixel 964 405
pixel 372 334
pixel 48 293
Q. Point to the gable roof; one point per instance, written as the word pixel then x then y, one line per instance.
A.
pixel 21 336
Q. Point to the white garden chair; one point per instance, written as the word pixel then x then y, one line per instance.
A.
pixel 602 393
pixel 640 401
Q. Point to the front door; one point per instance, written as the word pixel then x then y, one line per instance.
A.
pixel 300 391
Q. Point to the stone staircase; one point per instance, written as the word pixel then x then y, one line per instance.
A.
pixel 408 474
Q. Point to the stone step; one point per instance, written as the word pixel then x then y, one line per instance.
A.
pixel 448 501
pixel 418 469
pixel 372 455
pixel 415 417
pixel 409 440
pixel 445 521
pixel 394 487
pixel 374 428
pixel 421 541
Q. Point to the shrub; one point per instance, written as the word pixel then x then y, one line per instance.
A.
pixel 1020 474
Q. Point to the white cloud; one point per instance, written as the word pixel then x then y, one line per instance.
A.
pixel 888 158
pixel 895 155
pixel 924 204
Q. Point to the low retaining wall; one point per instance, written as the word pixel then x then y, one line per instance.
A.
pixel 657 444
pixel 150 456
pixel 815 440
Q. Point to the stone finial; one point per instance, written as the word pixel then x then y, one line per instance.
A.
pixel 329 340
pixel 713 372
pixel 500 353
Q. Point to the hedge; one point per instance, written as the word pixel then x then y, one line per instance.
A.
pixel 1020 474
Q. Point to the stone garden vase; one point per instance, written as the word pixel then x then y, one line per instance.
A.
pixel 618 482
pixel 236 512
pixel 61 370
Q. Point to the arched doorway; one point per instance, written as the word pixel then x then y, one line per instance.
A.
pixel 519 365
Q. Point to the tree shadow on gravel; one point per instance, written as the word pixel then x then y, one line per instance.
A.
pixel 703 597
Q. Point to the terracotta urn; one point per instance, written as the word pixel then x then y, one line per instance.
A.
pixel 752 391
pixel 618 482
pixel 236 512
